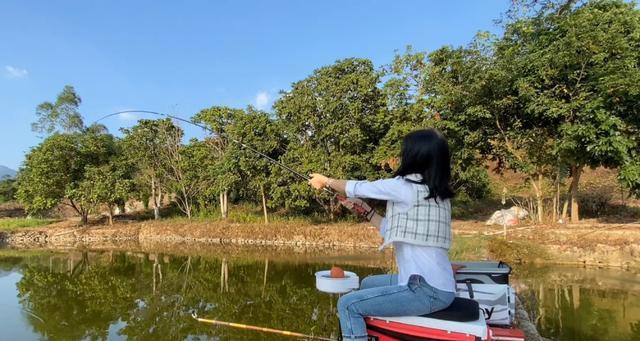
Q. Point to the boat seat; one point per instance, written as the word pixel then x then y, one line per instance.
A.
pixel 460 310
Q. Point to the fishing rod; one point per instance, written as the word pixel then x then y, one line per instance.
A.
pixel 260 329
pixel 241 144
pixel 357 208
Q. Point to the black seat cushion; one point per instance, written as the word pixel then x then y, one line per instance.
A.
pixel 460 310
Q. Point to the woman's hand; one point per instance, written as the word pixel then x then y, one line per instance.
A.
pixel 456 267
pixel 318 181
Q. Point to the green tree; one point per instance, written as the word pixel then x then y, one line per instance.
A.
pixel 109 185
pixel 54 170
pixel 419 95
pixel 333 121
pixel 61 115
pixel 220 166
pixel 187 176
pixel 576 79
pixel 240 130
pixel 7 190
pixel 143 145
pixel 477 102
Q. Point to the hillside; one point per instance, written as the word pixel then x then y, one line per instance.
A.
pixel 6 171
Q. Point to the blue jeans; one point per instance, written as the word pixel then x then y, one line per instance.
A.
pixel 380 295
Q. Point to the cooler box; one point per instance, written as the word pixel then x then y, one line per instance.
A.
pixel 497 301
pixel 483 273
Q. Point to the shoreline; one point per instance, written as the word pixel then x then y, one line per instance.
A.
pixel 607 248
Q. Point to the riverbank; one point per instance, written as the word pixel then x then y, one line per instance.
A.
pixel 610 245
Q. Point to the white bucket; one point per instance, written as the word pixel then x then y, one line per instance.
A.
pixel 328 284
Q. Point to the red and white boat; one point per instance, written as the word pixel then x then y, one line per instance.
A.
pixel 462 321
pixel 466 319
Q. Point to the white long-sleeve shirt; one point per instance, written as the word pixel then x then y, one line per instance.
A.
pixel 432 263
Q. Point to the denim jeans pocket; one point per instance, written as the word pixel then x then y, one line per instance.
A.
pixel 414 282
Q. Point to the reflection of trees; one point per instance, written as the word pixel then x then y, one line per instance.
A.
pixel 570 307
pixel 635 331
pixel 101 291
pixel 75 306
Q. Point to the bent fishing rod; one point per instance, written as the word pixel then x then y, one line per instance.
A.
pixel 204 127
pixel 341 198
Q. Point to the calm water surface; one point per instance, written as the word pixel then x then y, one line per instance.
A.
pixel 138 296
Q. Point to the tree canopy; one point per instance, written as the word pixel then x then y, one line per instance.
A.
pixel 555 93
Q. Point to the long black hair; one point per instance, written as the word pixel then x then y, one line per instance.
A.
pixel 426 152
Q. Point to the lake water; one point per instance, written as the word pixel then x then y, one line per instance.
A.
pixel 142 296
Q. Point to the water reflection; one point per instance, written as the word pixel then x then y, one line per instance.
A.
pixel 113 296
pixel 582 304
pixel 148 297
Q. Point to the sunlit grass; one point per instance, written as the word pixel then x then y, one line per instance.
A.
pixel 468 248
pixel 253 214
pixel 10 224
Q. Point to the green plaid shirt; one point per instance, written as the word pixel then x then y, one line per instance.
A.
pixel 426 223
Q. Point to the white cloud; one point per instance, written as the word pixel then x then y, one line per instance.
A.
pixel 128 116
pixel 14 72
pixel 262 100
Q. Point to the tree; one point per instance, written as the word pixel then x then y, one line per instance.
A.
pixel 61 115
pixel 419 95
pixel 477 101
pixel 186 175
pixel 143 145
pixel 7 189
pixel 527 8
pixel 221 168
pixel 577 78
pixel 54 170
pixel 108 185
pixel 332 122
pixel 239 131
pixel 236 166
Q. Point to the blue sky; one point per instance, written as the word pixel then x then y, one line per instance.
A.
pixel 181 57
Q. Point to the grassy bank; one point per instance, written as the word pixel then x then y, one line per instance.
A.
pixel 585 244
pixel 13 224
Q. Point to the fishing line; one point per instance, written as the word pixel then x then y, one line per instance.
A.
pixel 241 144
pixel 341 198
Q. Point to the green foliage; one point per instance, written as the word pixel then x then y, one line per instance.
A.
pixel 556 93
pixel 144 142
pixel 108 184
pixel 48 170
pixel 232 163
pixel 577 78
pixel 630 175
pixel 332 121
pixel 61 115
pixel 429 92
pixel 7 190
pixel 151 148
pixel 54 171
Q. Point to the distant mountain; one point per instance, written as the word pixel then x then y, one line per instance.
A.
pixel 6 171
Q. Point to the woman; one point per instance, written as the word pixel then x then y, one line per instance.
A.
pixel 418 224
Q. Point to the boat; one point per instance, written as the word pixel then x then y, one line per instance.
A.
pixel 483 311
